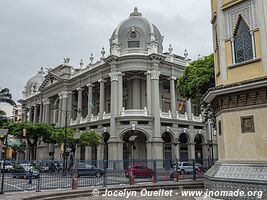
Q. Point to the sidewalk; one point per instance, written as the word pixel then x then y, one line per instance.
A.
pixel 80 192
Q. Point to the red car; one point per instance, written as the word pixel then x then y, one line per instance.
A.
pixel 139 170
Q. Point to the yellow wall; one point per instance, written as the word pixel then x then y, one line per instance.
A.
pixel 234 145
pixel 213 8
pixel 243 72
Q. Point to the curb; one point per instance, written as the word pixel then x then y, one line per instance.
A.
pixel 88 192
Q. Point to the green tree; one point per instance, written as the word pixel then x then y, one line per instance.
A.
pixel 6 97
pixel 88 138
pixel 35 132
pixel 197 78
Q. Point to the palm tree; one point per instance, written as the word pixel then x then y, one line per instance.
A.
pixel 6 97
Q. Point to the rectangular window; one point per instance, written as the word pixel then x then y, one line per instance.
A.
pixel 220 127
pixel 247 124
pixel 133 44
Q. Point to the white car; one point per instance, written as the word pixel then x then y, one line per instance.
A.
pixel 185 167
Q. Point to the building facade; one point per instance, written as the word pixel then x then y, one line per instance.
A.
pixel 240 96
pixel 16 113
pixel 128 97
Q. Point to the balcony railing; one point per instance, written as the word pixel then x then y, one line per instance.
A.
pixel 137 112
pixel 134 112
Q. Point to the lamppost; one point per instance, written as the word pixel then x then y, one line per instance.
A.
pixel 3 134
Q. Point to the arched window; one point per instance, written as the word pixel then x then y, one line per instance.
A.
pixel 243 43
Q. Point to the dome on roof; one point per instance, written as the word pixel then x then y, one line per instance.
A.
pixel 136 32
pixel 34 83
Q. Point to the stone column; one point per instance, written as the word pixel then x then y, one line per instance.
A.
pixel 47 111
pixel 149 150
pixel 120 92
pixel 173 96
pixel 101 97
pixel 59 116
pixel 136 93
pixel 148 91
pixel 90 99
pixel 155 102
pixel 189 109
pixel 30 114
pixel 175 151
pixel 41 113
pixel 88 153
pixel 23 115
pixel 35 114
pixel 114 76
pixel 70 107
pixel 192 154
pixel 64 108
pixel 79 108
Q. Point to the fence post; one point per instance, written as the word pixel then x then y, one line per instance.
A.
pixel 194 170
pixel 105 175
pixel 38 182
pixel 155 170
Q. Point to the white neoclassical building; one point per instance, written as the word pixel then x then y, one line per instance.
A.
pixel 128 97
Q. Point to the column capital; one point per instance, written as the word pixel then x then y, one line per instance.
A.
pixel 114 76
pixel 46 101
pixel 79 88
pixel 172 78
pixel 147 73
pixel 90 85
pixel 63 95
pixel 101 80
pixel 155 75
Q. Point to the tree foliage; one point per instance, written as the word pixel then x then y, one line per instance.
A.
pixel 6 97
pixel 197 78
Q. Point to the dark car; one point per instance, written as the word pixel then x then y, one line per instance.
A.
pixel 24 171
pixel 139 170
pixel 85 169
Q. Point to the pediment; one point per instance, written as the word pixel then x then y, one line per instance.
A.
pixel 50 79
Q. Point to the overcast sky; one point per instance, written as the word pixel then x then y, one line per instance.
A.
pixel 39 33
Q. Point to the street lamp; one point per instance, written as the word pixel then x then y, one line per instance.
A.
pixel 3 134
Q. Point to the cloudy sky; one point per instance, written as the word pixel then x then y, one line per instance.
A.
pixel 39 33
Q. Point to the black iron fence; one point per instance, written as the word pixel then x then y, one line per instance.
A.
pixel 45 175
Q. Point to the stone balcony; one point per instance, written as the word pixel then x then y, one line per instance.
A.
pixel 137 113
pixel 134 112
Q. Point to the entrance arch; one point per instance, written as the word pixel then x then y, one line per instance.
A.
pixel 183 139
pixel 134 146
pixel 167 149
pixel 199 148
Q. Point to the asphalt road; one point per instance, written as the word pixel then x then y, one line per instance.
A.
pixel 58 181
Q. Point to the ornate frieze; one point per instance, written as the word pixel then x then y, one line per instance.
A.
pixel 241 99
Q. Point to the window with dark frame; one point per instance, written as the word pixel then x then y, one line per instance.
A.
pixel 133 44
pixel 247 124
pixel 243 42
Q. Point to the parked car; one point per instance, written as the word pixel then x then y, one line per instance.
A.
pixel 139 170
pixel 8 166
pixel 183 168
pixel 85 169
pixel 24 171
